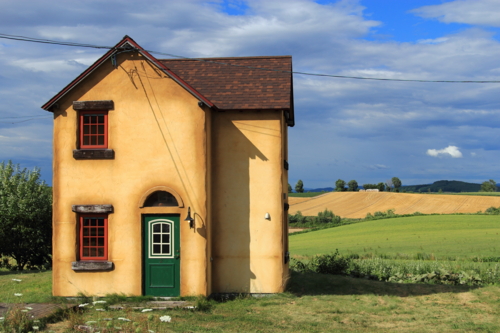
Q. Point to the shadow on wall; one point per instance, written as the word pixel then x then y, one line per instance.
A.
pixel 231 195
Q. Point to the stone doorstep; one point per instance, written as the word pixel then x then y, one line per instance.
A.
pixel 155 305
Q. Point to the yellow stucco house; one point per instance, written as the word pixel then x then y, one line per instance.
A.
pixel 170 176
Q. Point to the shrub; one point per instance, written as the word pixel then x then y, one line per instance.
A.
pixel 297 218
pixel 492 211
pixel 335 264
pixel 326 216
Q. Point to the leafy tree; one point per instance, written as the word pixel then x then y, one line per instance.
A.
pixel 388 185
pixel 299 187
pixel 340 185
pixel 25 217
pixel 289 188
pixel 352 185
pixel 381 187
pixel 396 182
pixel 489 186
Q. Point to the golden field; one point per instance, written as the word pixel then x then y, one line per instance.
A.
pixel 358 204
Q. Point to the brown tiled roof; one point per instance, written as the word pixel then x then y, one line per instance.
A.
pixel 230 84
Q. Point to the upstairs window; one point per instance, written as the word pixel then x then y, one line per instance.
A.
pixel 93 129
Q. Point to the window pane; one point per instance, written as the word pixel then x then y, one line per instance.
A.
pixel 86 222
pixel 100 232
pixel 100 241
pixel 86 140
pixel 94 222
pixel 157 227
pixel 156 249
pixel 93 241
pixel 86 119
pixel 160 198
pixel 165 249
pixel 156 238
pixel 85 252
pixel 165 239
pixel 93 252
pixel 86 129
pixel 93 232
pixel 93 129
pixel 93 140
pixel 100 222
pixel 86 242
pixel 100 140
pixel 100 252
pixel 165 227
pixel 85 232
pixel 101 119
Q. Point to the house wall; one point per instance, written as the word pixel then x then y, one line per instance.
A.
pixel 158 133
pixel 247 183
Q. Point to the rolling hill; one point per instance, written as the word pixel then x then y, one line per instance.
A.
pixel 358 204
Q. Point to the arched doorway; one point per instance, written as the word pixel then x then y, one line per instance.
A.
pixel 161 246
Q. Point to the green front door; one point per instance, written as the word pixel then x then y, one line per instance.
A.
pixel 161 255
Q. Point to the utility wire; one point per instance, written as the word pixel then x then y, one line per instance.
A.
pixel 44 116
pixel 53 42
pixel 17 122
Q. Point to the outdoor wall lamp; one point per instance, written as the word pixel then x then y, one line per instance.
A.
pixel 189 219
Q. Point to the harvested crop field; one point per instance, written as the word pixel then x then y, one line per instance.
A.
pixel 358 204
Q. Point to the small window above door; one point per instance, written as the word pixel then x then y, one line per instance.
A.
pixel 161 199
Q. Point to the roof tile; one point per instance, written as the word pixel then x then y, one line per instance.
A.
pixel 236 83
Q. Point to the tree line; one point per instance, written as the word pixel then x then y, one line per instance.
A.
pixel 25 218
pixel 393 184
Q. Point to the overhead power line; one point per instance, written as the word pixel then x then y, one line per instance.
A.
pixel 75 44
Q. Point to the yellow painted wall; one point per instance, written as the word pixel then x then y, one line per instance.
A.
pixel 247 167
pixel 226 166
pixel 158 133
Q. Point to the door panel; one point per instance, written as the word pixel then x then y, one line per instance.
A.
pixel 161 243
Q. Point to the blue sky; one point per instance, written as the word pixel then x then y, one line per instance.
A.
pixel 365 130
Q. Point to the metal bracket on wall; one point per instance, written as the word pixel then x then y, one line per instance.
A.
pixel 287 257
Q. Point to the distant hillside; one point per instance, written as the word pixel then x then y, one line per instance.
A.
pixel 358 204
pixel 445 186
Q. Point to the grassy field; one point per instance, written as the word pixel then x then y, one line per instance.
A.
pixel 358 204
pixel 305 194
pixel 314 303
pixel 442 235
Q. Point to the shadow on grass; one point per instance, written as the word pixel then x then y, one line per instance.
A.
pixel 323 284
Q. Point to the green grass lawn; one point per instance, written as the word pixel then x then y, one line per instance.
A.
pixel 313 303
pixel 324 303
pixel 463 236
pixel 34 286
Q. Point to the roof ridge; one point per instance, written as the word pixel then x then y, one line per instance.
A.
pixel 227 58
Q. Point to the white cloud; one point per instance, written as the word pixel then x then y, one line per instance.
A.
pixel 475 12
pixel 450 150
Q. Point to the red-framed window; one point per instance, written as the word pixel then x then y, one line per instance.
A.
pixel 93 237
pixel 93 129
